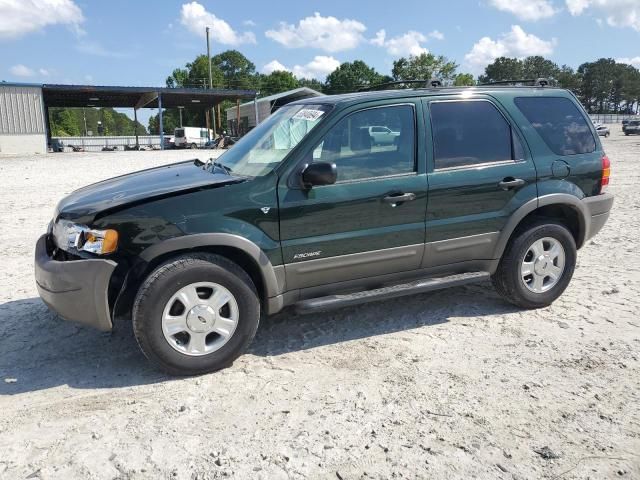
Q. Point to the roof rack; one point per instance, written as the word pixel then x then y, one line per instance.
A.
pixel 432 83
pixel 536 82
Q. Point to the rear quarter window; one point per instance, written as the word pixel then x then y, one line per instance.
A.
pixel 560 124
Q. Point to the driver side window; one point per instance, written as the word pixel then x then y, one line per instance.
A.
pixel 376 142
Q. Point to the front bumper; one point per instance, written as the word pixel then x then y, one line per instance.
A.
pixel 77 290
pixel 598 208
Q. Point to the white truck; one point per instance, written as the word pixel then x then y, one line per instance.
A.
pixel 192 137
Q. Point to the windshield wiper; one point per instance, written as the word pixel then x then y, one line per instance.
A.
pixel 211 162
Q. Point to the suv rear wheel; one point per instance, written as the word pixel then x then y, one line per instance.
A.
pixel 195 314
pixel 537 265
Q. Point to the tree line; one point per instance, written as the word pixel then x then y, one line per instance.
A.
pixel 74 122
pixel 603 86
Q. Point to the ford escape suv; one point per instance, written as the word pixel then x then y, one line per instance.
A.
pixel 310 210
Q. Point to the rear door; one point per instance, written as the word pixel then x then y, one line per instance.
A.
pixel 479 173
pixel 371 221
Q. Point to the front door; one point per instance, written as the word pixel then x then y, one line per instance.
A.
pixel 371 221
pixel 479 174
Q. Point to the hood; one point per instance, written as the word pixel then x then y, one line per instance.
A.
pixel 84 204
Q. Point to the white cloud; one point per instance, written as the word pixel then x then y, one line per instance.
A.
pixel 437 34
pixel 576 7
pixel 44 72
pixel 196 18
pixel 407 44
pixel 528 10
pixel 249 23
pixel 618 13
pixel 326 33
pixel 635 61
pixel 21 71
pixel 319 67
pixel 516 43
pixel 274 66
pixel 19 17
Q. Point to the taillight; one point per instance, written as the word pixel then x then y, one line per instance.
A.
pixel 606 173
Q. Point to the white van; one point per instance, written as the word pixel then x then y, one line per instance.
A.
pixel 191 137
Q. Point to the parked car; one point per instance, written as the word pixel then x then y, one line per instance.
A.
pixel 632 128
pixel 624 124
pixel 602 130
pixel 302 212
pixel 56 145
pixel 381 135
pixel 191 137
pixel 169 142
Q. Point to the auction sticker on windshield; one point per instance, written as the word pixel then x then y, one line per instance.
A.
pixel 308 114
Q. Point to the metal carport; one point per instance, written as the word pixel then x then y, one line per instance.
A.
pixel 137 97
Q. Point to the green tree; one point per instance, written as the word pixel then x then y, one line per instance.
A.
pixel 501 69
pixel 276 82
pixel 568 78
pixel 64 124
pixel 312 83
pixel 539 67
pixel 350 77
pixel 237 70
pixel 597 84
pixel 178 78
pixel 464 80
pixel 424 67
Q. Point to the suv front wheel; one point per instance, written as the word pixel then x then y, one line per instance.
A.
pixel 537 265
pixel 195 314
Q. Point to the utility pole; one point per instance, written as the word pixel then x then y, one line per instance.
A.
pixel 213 108
pixel 255 108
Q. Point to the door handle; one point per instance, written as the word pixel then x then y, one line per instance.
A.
pixel 510 182
pixel 399 198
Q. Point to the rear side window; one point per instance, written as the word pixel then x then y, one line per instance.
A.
pixel 469 133
pixel 560 124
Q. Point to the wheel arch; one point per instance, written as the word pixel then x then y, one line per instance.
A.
pixel 566 208
pixel 268 279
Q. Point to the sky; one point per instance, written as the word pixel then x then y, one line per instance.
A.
pixel 126 42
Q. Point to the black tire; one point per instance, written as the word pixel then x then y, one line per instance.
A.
pixel 193 146
pixel 168 278
pixel 507 279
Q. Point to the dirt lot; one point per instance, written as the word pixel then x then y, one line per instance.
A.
pixel 455 384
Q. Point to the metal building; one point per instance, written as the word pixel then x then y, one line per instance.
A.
pixel 263 107
pixel 22 119
pixel 24 122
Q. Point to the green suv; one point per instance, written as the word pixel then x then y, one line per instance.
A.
pixel 309 211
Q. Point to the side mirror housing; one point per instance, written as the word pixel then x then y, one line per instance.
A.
pixel 320 173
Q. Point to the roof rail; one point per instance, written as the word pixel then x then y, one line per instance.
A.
pixel 537 82
pixel 432 83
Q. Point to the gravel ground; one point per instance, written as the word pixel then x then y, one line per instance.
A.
pixel 453 384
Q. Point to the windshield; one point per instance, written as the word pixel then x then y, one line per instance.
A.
pixel 264 147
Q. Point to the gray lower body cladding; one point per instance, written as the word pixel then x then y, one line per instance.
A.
pixel 598 208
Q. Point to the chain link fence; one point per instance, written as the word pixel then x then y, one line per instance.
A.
pixel 612 117
pixel 97 144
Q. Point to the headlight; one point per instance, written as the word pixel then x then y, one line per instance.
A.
pixel 68 235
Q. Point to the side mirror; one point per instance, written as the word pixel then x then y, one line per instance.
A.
pixel 320 173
